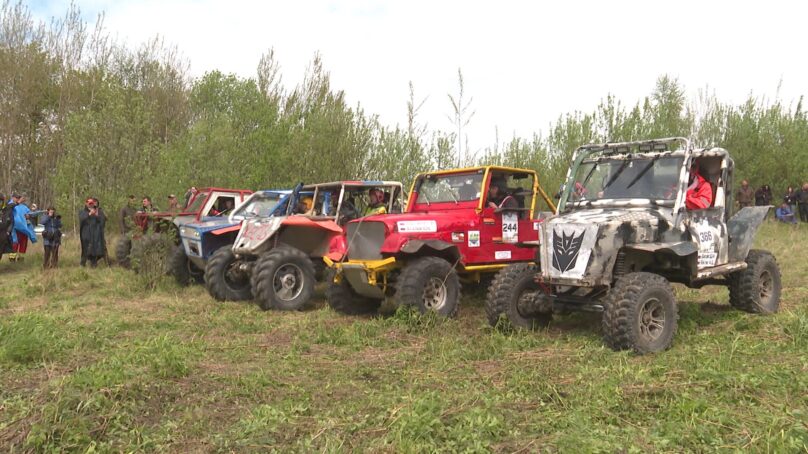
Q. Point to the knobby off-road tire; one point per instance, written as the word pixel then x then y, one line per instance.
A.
pixel 343 299
pixel 283 279
pixel 183 270
pixel 640 314
pixel 123 249
pixel 149 254
pixel 430 284
pixel 320 269
pixel 513 291
pixel 222 283
pixel 757 288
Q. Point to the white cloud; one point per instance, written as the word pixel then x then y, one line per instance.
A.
pixel 524 62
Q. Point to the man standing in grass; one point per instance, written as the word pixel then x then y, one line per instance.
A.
pixel 802 202
pixel 91 232
pixel 22 231
pixel 6 224
pixel 745 195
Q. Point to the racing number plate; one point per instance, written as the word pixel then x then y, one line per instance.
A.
pixel 510 228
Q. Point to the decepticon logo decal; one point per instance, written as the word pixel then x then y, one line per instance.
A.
pixel 565 250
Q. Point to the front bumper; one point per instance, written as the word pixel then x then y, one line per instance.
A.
pixel 366 277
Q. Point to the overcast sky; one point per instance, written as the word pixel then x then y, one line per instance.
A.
pixel 524 63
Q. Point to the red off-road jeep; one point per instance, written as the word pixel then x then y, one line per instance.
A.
pixel 456 226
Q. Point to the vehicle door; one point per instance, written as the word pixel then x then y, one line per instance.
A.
pixel 707 227
pixel 504 227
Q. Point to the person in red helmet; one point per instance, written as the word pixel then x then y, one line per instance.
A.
pixel 699 192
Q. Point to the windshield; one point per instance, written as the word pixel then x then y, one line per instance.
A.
pixel 260 205
pixel 450 188
pixel 655 178
pixel 197 204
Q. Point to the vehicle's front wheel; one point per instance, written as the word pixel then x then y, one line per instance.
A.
pixel 122 250
pixel 343 299
pixel 430 284
pixel 757 288
pixel 283 279
pixel 640 314
pixel 183 270
pixel 225 278
pixel 516 294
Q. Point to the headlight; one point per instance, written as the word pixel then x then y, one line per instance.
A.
pixel 182 231
pixel 196 234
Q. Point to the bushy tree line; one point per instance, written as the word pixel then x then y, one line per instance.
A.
pixel 82 115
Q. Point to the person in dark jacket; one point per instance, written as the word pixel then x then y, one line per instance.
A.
pixel 802 202
pixel 51 237
pixel 763 196
pixel 790 199
pixel 91 232
pixel 6 224
pixel 745 196
pixel 126 217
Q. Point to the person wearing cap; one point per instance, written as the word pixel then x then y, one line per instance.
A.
pixel 189 195
pixel 91 232
pixel 51 237
pixel 173 204
pixel 22 231
pixel 6 224
pixel 498 198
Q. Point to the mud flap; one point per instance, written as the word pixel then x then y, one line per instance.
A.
pixel 742 228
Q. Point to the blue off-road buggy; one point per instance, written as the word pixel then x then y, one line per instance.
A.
pixel 202 239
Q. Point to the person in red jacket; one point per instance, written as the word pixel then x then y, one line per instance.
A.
pixel 700 192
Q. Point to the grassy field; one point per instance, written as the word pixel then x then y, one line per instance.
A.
pixel 91 361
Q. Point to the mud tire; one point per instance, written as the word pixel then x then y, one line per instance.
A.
pixel 183 270
pixel 756 289
pixel 640 314
pixel 123 250
pixel 510 285
pixel 343 299
pixel 219 286
pixel 270 287
pixel 443 294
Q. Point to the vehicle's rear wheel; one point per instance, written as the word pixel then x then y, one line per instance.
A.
pixel 640 314
pixel 183 270
pixel 344 300
pixel 283 279
pixel 149 254
pixel 515 293
pixel 123 249
pixel 430 284
pixel 225 278
pixel 757 288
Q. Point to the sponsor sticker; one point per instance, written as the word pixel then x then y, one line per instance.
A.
pixel 417 226
pixel 502 255
pixel 510 228
pixel 707 259
pixel 474 238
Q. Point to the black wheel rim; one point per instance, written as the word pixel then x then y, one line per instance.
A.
pixel 652 319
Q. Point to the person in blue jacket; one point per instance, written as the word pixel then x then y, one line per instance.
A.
pixel 22 231
pixel 51 237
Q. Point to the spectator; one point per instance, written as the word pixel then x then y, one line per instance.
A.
pixel 763 196
pixel 784 214
pixel 6 224
pixel 173 204
pixel 147 205
pixel 51 237
pixel 126 217
pixel 22 231
pixel 189 195
pixel 745 195
pixel 802 202
pixel 91 232
pixel 791 199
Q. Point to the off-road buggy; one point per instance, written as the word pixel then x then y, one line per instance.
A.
pixel 277 259
pixel 455 227
pixel 622 234
pixel 153 230
pixel 200 239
